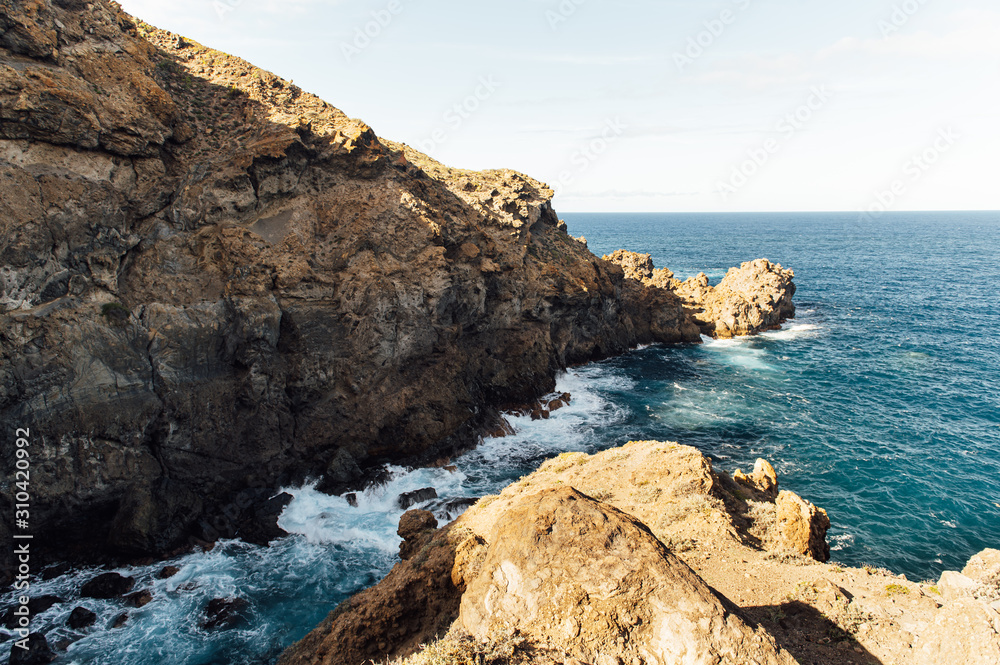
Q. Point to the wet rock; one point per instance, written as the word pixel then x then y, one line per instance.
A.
pixel 408 499
pixel 37 653
pixel 139 598
pixel 224 613
pixel 107 585
pixel 167 572
pixel 802 527
pixel 352 499
pixel 81 617
pixel 154 516
pixel 449 509
pixel 259 524
pixel 36 605
pixel 120 620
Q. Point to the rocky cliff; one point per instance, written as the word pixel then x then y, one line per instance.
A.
pixel 646 554
pixel 213 283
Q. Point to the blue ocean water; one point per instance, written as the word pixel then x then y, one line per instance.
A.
pixel 880 402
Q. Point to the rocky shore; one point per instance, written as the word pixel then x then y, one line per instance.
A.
pixel 214 284
pixel 645 554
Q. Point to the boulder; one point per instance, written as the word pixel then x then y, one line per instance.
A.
pixel 36 605
pixel 37 653
pixel 802 527
pixel 139 598
pixel 576 575
pixel 953 585
pixel 107 585
pixel 407 499
pixel 167 572
pixel 81 617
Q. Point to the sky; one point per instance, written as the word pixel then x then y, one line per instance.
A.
pixel 643 106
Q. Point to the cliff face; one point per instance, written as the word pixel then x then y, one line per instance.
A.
pixel 213 283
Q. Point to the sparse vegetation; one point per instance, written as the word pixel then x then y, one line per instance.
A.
pixel 896 590
pixel 467 650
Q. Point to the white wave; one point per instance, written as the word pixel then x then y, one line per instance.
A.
pixel 795 331
pixel 841 541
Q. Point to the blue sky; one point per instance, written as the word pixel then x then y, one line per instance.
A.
pixel 634 105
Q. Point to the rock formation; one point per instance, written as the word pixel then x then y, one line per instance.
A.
pixel 756 296
pixel 594 558
pixel 214 283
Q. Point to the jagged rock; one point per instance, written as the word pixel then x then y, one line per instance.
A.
pixel 763 479
pixel 412 525
pixel 984 567
pixel 636 266
pixel 81 617
pixel 119 621
pixel 37 653
pixel 802 526
pixel 754 297
pixel 107 585
pixel 407 499
pixel 965 631
pixel 224 613
pixel 575 575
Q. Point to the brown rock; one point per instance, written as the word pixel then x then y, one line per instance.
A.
pixel 412 525
pixel 573 574
pixel 802 526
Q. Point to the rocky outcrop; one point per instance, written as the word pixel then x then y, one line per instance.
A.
pixel 576 559
pixel 605 558
pixel 214 283
pixel 573 575
pixel 754 297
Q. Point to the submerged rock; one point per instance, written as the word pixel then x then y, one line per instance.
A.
pixel 224 613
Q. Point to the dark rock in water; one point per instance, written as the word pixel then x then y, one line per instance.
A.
pixel 341 470
pixel 35 607
pixel 352 499
pixel 37 653
pixel 167 572
pixel 108 585
pixel 55 570
pixel 407 499
pixel 224 613
pixel 449 509
pixel 63 644
pixel 81 617
pixel 119 620
pixel 259 523
pixel 413 526
pixel 139 598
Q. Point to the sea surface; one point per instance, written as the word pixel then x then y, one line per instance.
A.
pixel 880 402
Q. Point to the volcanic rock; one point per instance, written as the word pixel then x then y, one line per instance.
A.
pixel 407 499
pixel 107 585
pixel 81 617
pixel 37 653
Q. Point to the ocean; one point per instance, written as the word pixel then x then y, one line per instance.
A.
pixel 879 402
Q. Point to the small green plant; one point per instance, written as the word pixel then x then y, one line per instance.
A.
pixel 896 590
